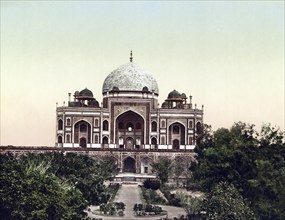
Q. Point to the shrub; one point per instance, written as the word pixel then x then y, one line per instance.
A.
pixel 147 209
pixel 120 205
pixel 151 196
pixel 151 184
pixel 121 213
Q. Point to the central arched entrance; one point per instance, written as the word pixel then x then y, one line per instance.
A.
pixel 82 133
pixel 129 165
pixel 176 133
pixel 130 130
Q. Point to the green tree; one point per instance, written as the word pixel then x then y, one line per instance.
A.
pixel 225 202
pixel 163 169
pixel 253 162
pixel 80 170
pixel 191 205
pixel 179 168
pixel 108 167
pixel 30 191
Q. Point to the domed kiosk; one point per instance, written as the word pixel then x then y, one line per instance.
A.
pixel 129 124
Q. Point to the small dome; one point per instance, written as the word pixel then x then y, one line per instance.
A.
pixel 164 105
pixel 183 96
pixel 86 93
pixel 174 95
pixel 115 88
pixel 145 89
pixel 76 93
pixel 130 77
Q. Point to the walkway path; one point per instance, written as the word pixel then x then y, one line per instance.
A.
pixel 129 194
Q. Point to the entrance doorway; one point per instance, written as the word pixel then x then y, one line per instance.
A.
pixel 83 142
pixel 175 144
pixel 130 143
pixel 129 165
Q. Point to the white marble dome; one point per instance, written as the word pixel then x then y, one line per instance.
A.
pixel 130 77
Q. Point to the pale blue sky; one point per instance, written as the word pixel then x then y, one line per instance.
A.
pixel 229 55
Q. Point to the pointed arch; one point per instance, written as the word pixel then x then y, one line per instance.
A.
pixel 146 165
pixel 82 129
pixel 177 135
pixel 129 130
pixel 129 165
pixel 154 126
pixel 105 125
pixel 59 124
pixel 59 139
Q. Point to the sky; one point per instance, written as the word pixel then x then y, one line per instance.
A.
pixel 229 55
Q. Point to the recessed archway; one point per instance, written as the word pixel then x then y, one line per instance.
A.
pixel 82 129
pixel 130 128
pixel 129 165
pixel 146 165
pixel 176 135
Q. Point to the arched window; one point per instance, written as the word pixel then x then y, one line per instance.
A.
pixel 59 139
pixel 105 141
pixel 199 128
pixel 153 141
pixel 83 127
pixel 105 125
pixel 68 122
pixel 175 129
pixel 163 124
pixel 191 124
pixel 153 126
pixel 68 138
pixel 96 122
pixel 60 124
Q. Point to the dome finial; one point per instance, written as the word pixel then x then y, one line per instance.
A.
pixel 131 56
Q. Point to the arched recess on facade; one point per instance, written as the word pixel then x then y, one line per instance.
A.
pixel 105 125
pixel 198 132
pixel 153 126
pixel 146 165
pixel 68 121
pixel 59 139
pixel 129 165
pixel 176 136
pixel 82 133
pixel 153 143
pixel 60 124
pixel 130 130
pixel 198 128
pixel 105 141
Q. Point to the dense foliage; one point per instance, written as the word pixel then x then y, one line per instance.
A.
pixel 225 202
pixel 163 169
pixel 151 196
pixel 252 162
pixel 50 186
pixel 151 184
